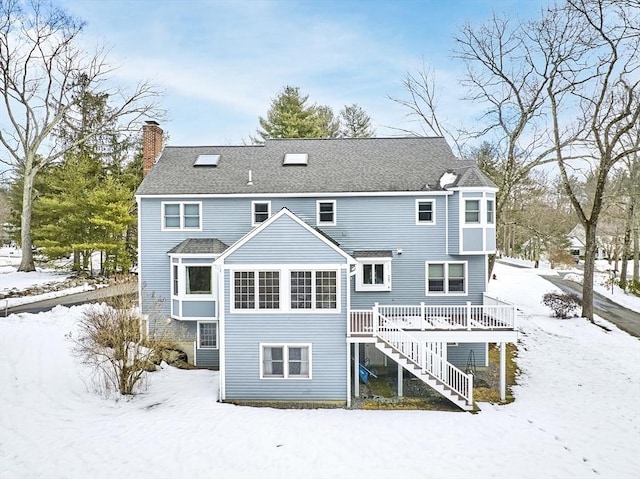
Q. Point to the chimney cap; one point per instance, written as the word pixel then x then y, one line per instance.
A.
pixel 152 122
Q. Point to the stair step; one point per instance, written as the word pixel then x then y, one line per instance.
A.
pixel 428 378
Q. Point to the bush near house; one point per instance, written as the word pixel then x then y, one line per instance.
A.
pixel 563 305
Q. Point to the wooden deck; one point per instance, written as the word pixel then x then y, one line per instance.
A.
pixel 468 317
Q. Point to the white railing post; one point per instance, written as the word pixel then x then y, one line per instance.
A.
pixel 423 316
pixel 470 376
pixel 375 319
pixel 469 315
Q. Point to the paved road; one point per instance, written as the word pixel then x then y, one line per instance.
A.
pixel 95 295
pixel 624 318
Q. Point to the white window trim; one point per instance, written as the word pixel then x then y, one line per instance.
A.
pixel 217 346
pixel 182 282
pixel 182 215
pixel 446 279
pixel 314 307
pixel 493 212
pixel 335 213
pixel 253 212
pixel 433 212
pixel 387 274
pixel 285 356
pixel 285 289
pixel 464 212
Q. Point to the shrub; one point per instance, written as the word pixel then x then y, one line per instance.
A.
pixel 111 342
pixel 563 305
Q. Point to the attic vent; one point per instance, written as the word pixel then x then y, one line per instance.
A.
pixel 291 159
pixel 207 160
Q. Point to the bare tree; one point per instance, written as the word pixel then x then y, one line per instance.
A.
pixel 44 74
pixel 632 217
pixel 593 46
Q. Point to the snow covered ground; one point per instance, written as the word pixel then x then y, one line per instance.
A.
pixel 13 280
pixel 576 415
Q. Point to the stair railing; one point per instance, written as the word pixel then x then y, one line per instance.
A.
pixel 421 355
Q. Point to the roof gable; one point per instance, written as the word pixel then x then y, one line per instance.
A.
pixel 284 213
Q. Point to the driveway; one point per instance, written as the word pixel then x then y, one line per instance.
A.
pixel 624 318
pixel 93 296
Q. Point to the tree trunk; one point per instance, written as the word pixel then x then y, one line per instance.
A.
pixel 589 265
pixel 26 244
pixel 636 253
pixel 626 246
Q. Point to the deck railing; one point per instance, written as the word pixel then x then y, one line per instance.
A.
pixel 433 317
pixel 423 356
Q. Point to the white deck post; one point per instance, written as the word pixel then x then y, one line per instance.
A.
pixel 423 316
pixel 400 384
pixel 356 370
pixel 469 315
pixel 348 374
pixel 503 372
pixel 375 319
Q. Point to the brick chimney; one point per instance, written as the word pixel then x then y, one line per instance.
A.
pixel 151 145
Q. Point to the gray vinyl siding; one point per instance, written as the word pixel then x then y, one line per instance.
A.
pixel 363 223
pixel 472 239
pixel 208 358
pixel 285 241
pixel 199 309
pixel 454 224
pixel 325 332
pixel 459 355
pixel 490 239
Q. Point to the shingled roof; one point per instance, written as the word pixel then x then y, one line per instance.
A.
pixel 334 166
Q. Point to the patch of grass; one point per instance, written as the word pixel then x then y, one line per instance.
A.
pixel 410 404
pixel 492 395
pixel 290 404
pixel 380 387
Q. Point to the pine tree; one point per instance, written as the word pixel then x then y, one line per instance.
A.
pixel 290 116
pixel 355 123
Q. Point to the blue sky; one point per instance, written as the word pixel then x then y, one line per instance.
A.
pixel 221 62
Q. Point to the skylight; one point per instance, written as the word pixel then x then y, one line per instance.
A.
pixel 207 160
pixel 295 159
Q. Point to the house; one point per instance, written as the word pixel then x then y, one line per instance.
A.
pixel 285 264
pixel 577 243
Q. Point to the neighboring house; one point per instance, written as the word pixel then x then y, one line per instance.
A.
pixel 283 265
pixel 577 243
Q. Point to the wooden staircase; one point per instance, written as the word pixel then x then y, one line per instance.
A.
pixel 424 361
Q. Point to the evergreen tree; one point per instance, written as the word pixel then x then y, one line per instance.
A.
pixel 87 203
pixel 289 117
pixel 355 123
pixel 328 124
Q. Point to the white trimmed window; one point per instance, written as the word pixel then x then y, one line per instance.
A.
pixel 191 280
pixel 326 212
pixel 425 212
pixel 260 212
pixel 207 335
pixel 285 361
pixel 446 278
pixel 256 289
pixel 314 290
pixel 181 216
pixel 490 212
pixel 472 211
pixel 373 274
